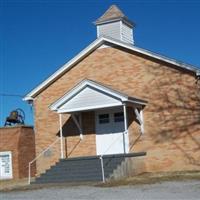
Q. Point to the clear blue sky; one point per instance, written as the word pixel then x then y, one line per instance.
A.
pixel 37 37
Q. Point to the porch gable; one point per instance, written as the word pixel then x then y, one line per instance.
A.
pixel 90 95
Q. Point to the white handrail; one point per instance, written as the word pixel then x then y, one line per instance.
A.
pixel 41 153
pixel 101 156
pixel 102 168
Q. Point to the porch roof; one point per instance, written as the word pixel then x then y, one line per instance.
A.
pixel 91 95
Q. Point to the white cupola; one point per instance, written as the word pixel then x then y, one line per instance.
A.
pixel 113 23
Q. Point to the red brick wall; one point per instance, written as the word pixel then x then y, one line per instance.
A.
pixel 20 141
pixel 172 118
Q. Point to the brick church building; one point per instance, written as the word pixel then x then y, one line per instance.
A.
pixel 115 98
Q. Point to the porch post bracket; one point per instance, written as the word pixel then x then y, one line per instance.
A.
pixel 78 126
pixel 139 116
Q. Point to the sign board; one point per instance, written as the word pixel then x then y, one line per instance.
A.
pixel 6 165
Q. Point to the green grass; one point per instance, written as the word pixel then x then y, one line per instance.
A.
pixel 151 178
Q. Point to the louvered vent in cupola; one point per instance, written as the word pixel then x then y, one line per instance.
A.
pixel 113 23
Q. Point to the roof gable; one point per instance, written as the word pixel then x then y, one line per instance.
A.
pixel 89 95
pixel 96 44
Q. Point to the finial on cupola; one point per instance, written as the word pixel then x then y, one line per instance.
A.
pixel 113 23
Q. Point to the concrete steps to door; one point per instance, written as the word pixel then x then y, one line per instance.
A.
pixel 82 169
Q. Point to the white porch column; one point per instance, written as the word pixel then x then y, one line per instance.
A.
pixel 125 127
pixel 81 125
pixel 61 137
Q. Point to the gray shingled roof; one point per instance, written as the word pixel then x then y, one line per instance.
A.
pixel 113 13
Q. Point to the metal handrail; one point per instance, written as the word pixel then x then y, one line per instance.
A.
pixel 40 154
pixel 101 157
pixel 102 168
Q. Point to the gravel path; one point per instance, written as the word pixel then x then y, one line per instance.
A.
pixel 167 190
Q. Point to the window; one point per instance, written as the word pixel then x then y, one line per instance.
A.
pixel 119 117
pixel 104 118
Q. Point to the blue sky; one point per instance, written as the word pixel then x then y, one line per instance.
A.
pixel 37 37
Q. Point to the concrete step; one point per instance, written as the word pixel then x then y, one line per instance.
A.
pixel 63 174
pixel 46 181
pixel 73 176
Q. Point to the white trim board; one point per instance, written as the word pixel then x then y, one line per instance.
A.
pixel 96 44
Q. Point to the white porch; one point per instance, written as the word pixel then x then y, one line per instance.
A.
pixel 110 107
